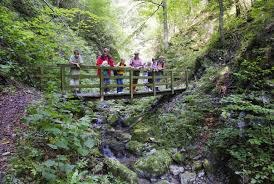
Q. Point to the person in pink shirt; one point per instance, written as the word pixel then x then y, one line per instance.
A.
pixel 136 62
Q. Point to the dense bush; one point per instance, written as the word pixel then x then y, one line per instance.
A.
pixel 58 146
pixel 247 140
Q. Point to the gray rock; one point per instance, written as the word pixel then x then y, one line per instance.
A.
pixel 201 174
pixel 198 157
pixel 163 182
pixel 176 170
pixel 187 177
pixel 6 153
pixel 151 152
pixel 143 181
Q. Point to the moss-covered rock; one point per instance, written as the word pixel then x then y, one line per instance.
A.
pixel 121 171
pixel 154 165
pixel 125 137
pixel 135 147
pixel 208 166
pixel 141 134
pixel 112 118
pixel 179 157
pixel 197 165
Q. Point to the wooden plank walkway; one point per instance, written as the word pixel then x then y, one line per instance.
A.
pixel 141 94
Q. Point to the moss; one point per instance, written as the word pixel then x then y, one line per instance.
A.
pixel 121 171
pixel 178 157
pixel 197 166
pixel 141 134
pixel 135 147
pixel 208 166
pixel 112 118
pixel 154 165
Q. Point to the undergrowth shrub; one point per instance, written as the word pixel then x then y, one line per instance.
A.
pixel 57 145
pixel 247 139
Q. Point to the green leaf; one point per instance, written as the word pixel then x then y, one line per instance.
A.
pixel 83 152
pixel 63 143
pixel 49 163
pixel 89 143
pixel 52 146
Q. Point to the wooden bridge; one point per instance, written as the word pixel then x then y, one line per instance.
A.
pixel 91 86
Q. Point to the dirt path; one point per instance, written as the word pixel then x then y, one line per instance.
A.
pixel 12 109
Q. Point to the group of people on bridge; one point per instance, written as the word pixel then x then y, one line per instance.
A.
pixel 104 60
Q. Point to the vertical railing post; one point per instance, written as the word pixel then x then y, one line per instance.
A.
pixel 62 79
pixel 131 83
pixel 186 75
pixel 166 79
pixel 172 82
pixel 79 77
pixel 153 84
pixel 101 85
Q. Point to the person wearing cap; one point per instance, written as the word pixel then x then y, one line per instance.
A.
pixel 75 60
pixel 105 60
pixel 136 63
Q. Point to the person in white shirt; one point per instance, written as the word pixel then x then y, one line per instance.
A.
pixel 75 60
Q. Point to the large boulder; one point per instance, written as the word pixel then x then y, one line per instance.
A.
pixel 121 171
pixel 154 165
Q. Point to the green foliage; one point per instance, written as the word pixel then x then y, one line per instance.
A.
pixel 249 148
pixel 250 70
pixel 57 144
pixel 47 37
pixel 155 164
pixel 27 44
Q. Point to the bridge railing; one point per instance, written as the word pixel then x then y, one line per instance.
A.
pixel 89 80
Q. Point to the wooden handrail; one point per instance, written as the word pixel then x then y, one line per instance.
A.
pixel 90 80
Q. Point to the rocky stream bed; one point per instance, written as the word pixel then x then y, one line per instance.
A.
pixel 145 163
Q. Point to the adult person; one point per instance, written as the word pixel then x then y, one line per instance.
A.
pixel 75 60
pixel 136 63
pixel 160 70
pixel 107 60
pixel 120 72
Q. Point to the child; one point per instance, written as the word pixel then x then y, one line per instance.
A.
pixel 106 76
pixel 120 73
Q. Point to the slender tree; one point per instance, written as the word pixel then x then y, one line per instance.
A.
pixel 164 5
pixel 221 22
pixel 238 9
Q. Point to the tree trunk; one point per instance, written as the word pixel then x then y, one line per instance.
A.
pixel 238 8
pixel 164 4
pixel 57 3
pixel 221 22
